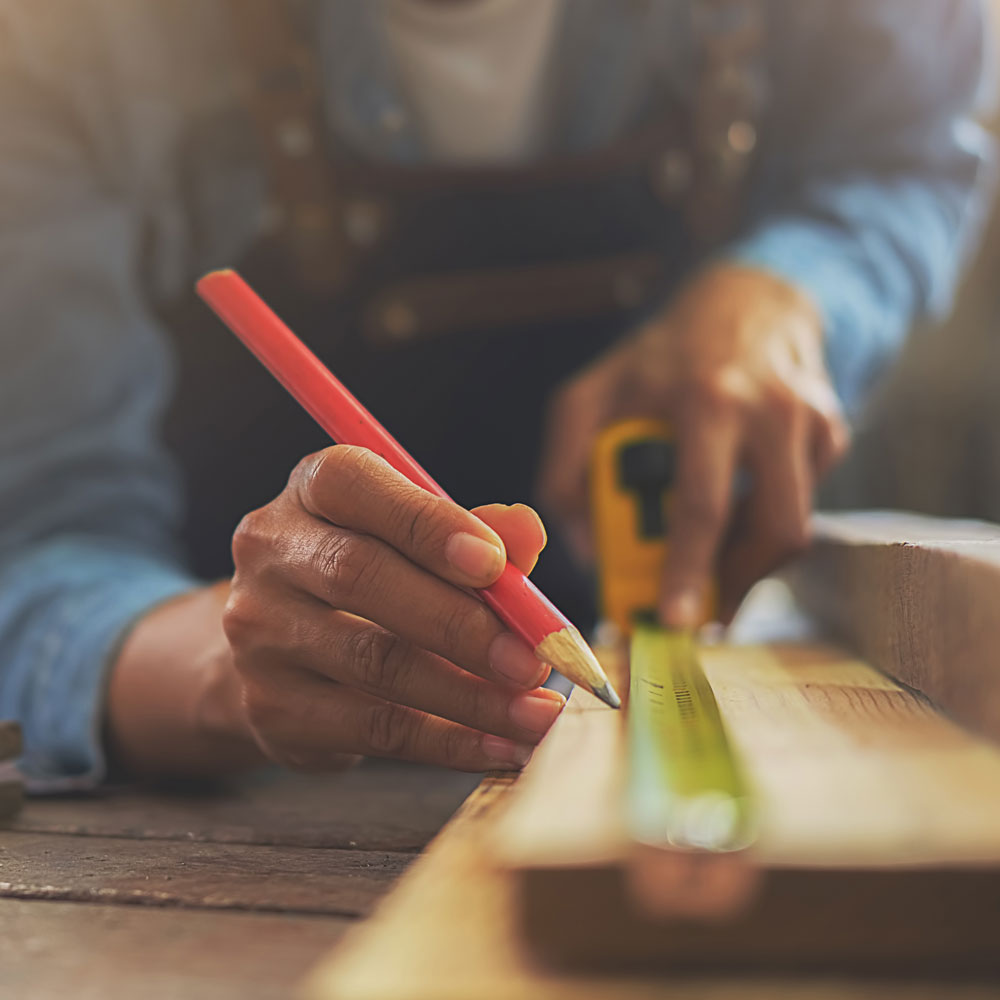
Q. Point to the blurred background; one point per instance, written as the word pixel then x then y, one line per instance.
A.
pixel 929 440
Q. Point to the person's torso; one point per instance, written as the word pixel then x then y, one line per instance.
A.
pixel 472 291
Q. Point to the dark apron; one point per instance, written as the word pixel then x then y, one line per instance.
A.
pixel 472 294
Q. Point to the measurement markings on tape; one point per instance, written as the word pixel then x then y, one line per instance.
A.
pixel 686 786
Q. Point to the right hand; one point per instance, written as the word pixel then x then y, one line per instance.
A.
pixel 352 630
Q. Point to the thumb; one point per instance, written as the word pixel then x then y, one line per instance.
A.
pixel 520 528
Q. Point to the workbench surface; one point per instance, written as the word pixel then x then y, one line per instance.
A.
pixel 238 890
pixel 223 892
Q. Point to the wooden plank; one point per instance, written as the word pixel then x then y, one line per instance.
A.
pixel 850 768
pixel 51 951
pixel 10 740
pixel 879 830
pixel 379 806
pixel 917 597
pixel 218 876
pixel 11 785
pixel 451 929
pixel 11 797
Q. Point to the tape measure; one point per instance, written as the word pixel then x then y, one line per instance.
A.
pixel 686 786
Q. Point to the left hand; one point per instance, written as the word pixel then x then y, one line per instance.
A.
pixel 736 365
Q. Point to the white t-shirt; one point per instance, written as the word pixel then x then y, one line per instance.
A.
pixel 472 72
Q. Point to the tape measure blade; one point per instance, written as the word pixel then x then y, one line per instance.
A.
pixel 686 785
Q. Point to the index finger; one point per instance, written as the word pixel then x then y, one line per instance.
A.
pixel 708 446
pixel 358 490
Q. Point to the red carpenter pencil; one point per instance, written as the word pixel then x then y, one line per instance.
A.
pixel 514 598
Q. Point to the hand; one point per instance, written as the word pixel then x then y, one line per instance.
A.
pixel 347 629
pixel 353 632
pixel 736 365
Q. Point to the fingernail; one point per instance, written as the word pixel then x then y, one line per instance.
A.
pixel 513 660
pixel 506 753
pixel 537 711
pixel 683 611
pixel 474 556
pixel 538 519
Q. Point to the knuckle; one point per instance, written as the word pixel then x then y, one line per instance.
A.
pixel 305 468
pixel 344 561
pixel 305 477
pixel 252 538
pixel 334 476
pixel 479 707
pixel 717 391
pixel 386 730
pixel 453 626
pixel 454 747
pixel 241 618
pixel 417 520
pixel 456 625
pixel 377 660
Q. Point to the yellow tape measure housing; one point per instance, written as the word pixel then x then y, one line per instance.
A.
pixel 630 560
pixel 632 489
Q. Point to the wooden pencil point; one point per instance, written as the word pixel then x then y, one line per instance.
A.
pixel 568 652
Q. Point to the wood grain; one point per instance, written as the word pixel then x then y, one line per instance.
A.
pixel 849 767
pixel 52 951
pixel 918 598
pixel 879 829
pixel 210 893
pixel 300 880
pixel 379 806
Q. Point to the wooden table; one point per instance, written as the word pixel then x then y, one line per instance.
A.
pixel 237 891
pixel 231 891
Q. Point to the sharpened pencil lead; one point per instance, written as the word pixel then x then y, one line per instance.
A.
pixel 608 695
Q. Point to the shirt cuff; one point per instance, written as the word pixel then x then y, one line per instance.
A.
pixel 65 608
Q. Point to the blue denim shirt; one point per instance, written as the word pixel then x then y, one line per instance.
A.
pixel 870 176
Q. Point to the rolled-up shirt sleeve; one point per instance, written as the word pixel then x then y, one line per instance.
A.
pixel 873 174
pixel 65 606
pixel 88 500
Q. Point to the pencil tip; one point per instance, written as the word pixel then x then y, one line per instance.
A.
pixel 608 695
pixel 567 651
